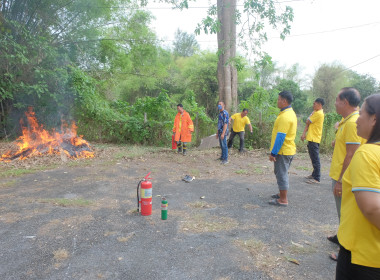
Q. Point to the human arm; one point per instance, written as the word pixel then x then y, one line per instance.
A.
pixel 369 204
pixel 250 127
pixel 224 131
pixel 280 138
pixel 303 137
pixel 350 151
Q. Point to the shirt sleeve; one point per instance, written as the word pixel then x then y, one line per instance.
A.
pixel 314 117
pixel 280 138
pixel 350 134
pixel 365 175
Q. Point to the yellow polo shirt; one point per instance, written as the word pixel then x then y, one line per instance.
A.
pixel 345 135
pixel 286 122
pixel 239 122
pixel 314 133
pixel 356 233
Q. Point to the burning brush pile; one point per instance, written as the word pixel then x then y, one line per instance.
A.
pixel 37 141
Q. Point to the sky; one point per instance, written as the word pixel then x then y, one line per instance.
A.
pixel 323 31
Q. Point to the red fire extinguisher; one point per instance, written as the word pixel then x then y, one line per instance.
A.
pixel 144 196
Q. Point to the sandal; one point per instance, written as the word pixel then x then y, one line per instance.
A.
pixel 333 239
pixel 277 203
pixel 334 256
pixel 275 196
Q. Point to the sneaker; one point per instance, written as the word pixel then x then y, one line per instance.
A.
pixel 309 177
pixel 224 162
pixel 219 158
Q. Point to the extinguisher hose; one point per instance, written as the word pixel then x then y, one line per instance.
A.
pixel 138 195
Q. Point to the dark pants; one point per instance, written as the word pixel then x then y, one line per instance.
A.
pixel 223 146
pixel 313 149
pixel 345 270
pixel 231 139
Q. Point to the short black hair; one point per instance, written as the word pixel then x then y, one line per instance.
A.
pixel 286 95
pixel 245 109
pixel 351 94
pixel 180 105
pixel 320 101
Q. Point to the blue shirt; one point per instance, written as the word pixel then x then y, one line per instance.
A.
pixel 222 120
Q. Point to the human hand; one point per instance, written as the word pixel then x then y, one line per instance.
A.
pixel 338 189
pixel 303 137
pixel 222 136
pixel 272 158
pixel 333 144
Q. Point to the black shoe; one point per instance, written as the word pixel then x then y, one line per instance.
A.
pixel 333 239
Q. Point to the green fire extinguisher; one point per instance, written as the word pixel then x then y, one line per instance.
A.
pixel 164 209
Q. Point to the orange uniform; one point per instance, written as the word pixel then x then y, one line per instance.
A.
pixel 183 126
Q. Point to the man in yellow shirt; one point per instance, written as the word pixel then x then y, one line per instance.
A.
pixel 346 142
pixel 313 128
pixel 240 121
pixel 283 147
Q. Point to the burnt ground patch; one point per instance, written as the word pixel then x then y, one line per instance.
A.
pixel 78 220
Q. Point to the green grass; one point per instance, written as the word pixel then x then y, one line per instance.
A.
pixel 8 184
pixel 242 172
pixel 22 171
pixel 305 168
pixel 67 202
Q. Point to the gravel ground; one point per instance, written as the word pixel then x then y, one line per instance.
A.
pixel 77 219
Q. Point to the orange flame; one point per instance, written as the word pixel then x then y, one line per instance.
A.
pixel 35 140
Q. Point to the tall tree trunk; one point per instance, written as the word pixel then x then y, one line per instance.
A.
pixel 227 73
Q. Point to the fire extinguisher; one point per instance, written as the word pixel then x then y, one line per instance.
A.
pixel 144 196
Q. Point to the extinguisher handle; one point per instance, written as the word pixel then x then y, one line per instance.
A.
pixel 146 177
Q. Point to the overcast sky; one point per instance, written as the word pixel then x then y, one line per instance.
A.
pixel 345 31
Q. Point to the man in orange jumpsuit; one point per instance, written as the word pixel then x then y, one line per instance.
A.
pixel 183 127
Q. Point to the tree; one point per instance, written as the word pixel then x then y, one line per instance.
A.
pixel 327 82
pixel 365 84
pixel 184 44
pixel 223 19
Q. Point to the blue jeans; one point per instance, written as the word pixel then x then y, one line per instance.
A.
pixel 223 146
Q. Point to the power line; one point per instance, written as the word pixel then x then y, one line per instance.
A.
pixel 364 61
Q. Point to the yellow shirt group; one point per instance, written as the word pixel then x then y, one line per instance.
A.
pixel 314 133
pixel 286 122
pixel 346 134
pixel 356 233
pixel 239 122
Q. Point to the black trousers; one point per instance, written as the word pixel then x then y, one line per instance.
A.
pixel 313 149
pixel 231 139
pixel 345 270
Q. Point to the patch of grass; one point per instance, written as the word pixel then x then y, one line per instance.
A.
pixel 67 202
pixel 258 170
pixel 80 162
pixel 242 172
pixel 305 168
pixel 263 259
pixel 194 172
pixel 60 255
pixel 199 223
pixel 201 204
pixel 8 184
pixel 305 249
pixel 253 245
pixel 16 172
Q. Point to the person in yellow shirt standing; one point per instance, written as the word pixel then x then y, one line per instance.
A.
pixel 313 128
pixel 359 229
pixel 182 129
pixel 346 143
pixel 283 147
pixel 240 121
